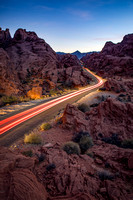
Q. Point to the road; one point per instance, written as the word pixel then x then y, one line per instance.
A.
pixel 17 125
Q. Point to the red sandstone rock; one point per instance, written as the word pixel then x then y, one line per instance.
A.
pixel 5 37
pixel 114 59
pixel 130 161
pixel 117 84
pixel 17 180
pixel 110 117
pixel 73 118
pixel 9 82
pixel 70 179
pixel 26 61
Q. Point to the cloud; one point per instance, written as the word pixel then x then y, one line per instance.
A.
pixel 81 13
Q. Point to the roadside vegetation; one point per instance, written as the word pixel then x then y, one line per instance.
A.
pixel 33 138
pixel 8 100
pixel 45 126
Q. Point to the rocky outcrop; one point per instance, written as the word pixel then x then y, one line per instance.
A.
pixel 68 177
pixel 17 180
pixel 72 119
pixel 73 75
pixel 74 177
pixel 122 49
pixel 104 172
pixel 9 81
pixel 117 84
pixel 110 117
pixel 114 59
pixel 33 63
pixel 5 37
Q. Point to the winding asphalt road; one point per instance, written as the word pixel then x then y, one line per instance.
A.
pixel 14 127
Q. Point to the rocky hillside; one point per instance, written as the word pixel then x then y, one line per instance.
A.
pixel 103 171
pixel 29 64
pixel 114 59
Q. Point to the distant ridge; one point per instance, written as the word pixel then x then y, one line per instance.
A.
pixel 78 53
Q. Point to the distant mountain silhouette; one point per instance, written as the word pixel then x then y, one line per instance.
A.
pixel 77 53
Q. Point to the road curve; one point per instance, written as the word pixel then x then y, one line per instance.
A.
pixel 10 122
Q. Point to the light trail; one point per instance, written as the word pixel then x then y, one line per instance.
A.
pixel 15 120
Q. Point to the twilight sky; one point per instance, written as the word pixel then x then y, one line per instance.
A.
pixel 70 25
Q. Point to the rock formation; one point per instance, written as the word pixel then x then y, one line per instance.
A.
pixel 105 172
pixel 17 180
pixel 27 62
pixel 114 59
pixel 109 117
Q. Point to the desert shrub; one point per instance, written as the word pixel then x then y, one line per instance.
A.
pixel 41 157
pixel 114 139
pixel 9 99
pixel 102 89
pixel 50 167
pixel 83 107
pixel 105 175
pixel 45 126
pixel 53 92
pixel 12 99
pixel 28 153
pixel 71 148
pixel 33 138
pixel 78 136
pixel 84 140
pixel 127 144
pixel 24 99
pixel 85 143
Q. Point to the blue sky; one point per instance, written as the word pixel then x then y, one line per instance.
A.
pixel 70 25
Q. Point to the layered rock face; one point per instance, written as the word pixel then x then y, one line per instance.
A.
pixel 108 124
pixel 110 117
pixel 17 180
pixel 75 178
pixel 28 61
pixel 9 81
pixel 114 59
pixel 52 174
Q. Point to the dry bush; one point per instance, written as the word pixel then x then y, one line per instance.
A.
pixel 71 148
pixel 45 126
pixel 33 138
